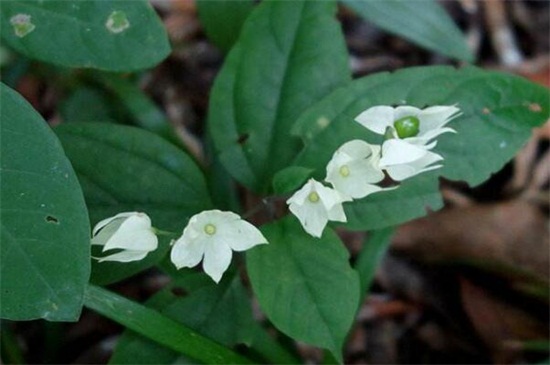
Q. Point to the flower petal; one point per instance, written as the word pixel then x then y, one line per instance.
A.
pixel 437 116
pixel 106 221
pixel 134 233
pixel 377 118
pixel 337 214
pixel 217 257
pixel 312 216
pixel 301 195
pixel 187 252
pixel 405 171
pixel 125 256
pixel 241 235
pixel 397 151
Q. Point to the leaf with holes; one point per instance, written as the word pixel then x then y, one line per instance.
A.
pixel 45 234
pixel 106 35
pixel 289 55
pixel 124 169
pixel 499 112
pixel 305 285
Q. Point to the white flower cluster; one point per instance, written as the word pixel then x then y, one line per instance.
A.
pixel 354 172
pixel 210 236
pixel 357 166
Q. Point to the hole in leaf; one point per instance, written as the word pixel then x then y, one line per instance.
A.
pixel 242 138
pixel 178 292
pixel 52 219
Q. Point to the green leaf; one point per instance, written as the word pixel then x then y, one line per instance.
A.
pixel 87 104
pixel 290 179
pixel 159 328
pixel 106 35
pixel 144 112
pixel 305 285
pixel 289 55
pixel 223 19
pixel 412 199
pixel 423 22
pixel 125 169
pixel 45 234
pixel 499 111
pixel 220 312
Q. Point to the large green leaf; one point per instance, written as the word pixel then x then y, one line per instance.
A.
pixel 45 234
pixel 220 312
pixel 109 35
pixel 305 285
pixel 223 19
pixel 289 55
pixel 423 22
pixel 123 169
pixel 499 111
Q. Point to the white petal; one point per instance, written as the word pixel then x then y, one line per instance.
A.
pixel 330 197
pixel 337 214
pixel 358 183
pixel 187 253
pixel 106 221
pixel 397 151
pixel 134 233
pixel 405 171
pixel 241 235
pixel 401 172
pixel 357 149
pixel 312 216
pixel 405 111
pixel 125 256
pixel 214 217
pixel 377 118
pixel 217 257
pixel 436 117
pixel 431 134
pixel 301 195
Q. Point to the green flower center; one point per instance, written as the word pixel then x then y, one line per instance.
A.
pixel 210 229
pixel 313 197
pixel 344 171
pixel 407 126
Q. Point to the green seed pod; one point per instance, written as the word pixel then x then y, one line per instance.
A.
pixel 407 126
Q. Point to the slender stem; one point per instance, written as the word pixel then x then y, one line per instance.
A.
pixel 153 325
pixel 160 232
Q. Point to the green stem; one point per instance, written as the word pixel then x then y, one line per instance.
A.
pixel 374 249
pixel 153 325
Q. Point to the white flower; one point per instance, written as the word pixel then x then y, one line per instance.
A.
pixel 315 204
pixel 354 169
pixel 131 232
pixel 213 234
pixel 416 126
pixel 403 160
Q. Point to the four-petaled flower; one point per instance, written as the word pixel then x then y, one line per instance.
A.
pixel 416 126
pixel 131 232
pixel 354 169
pixel 212 235
pixel 315 204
